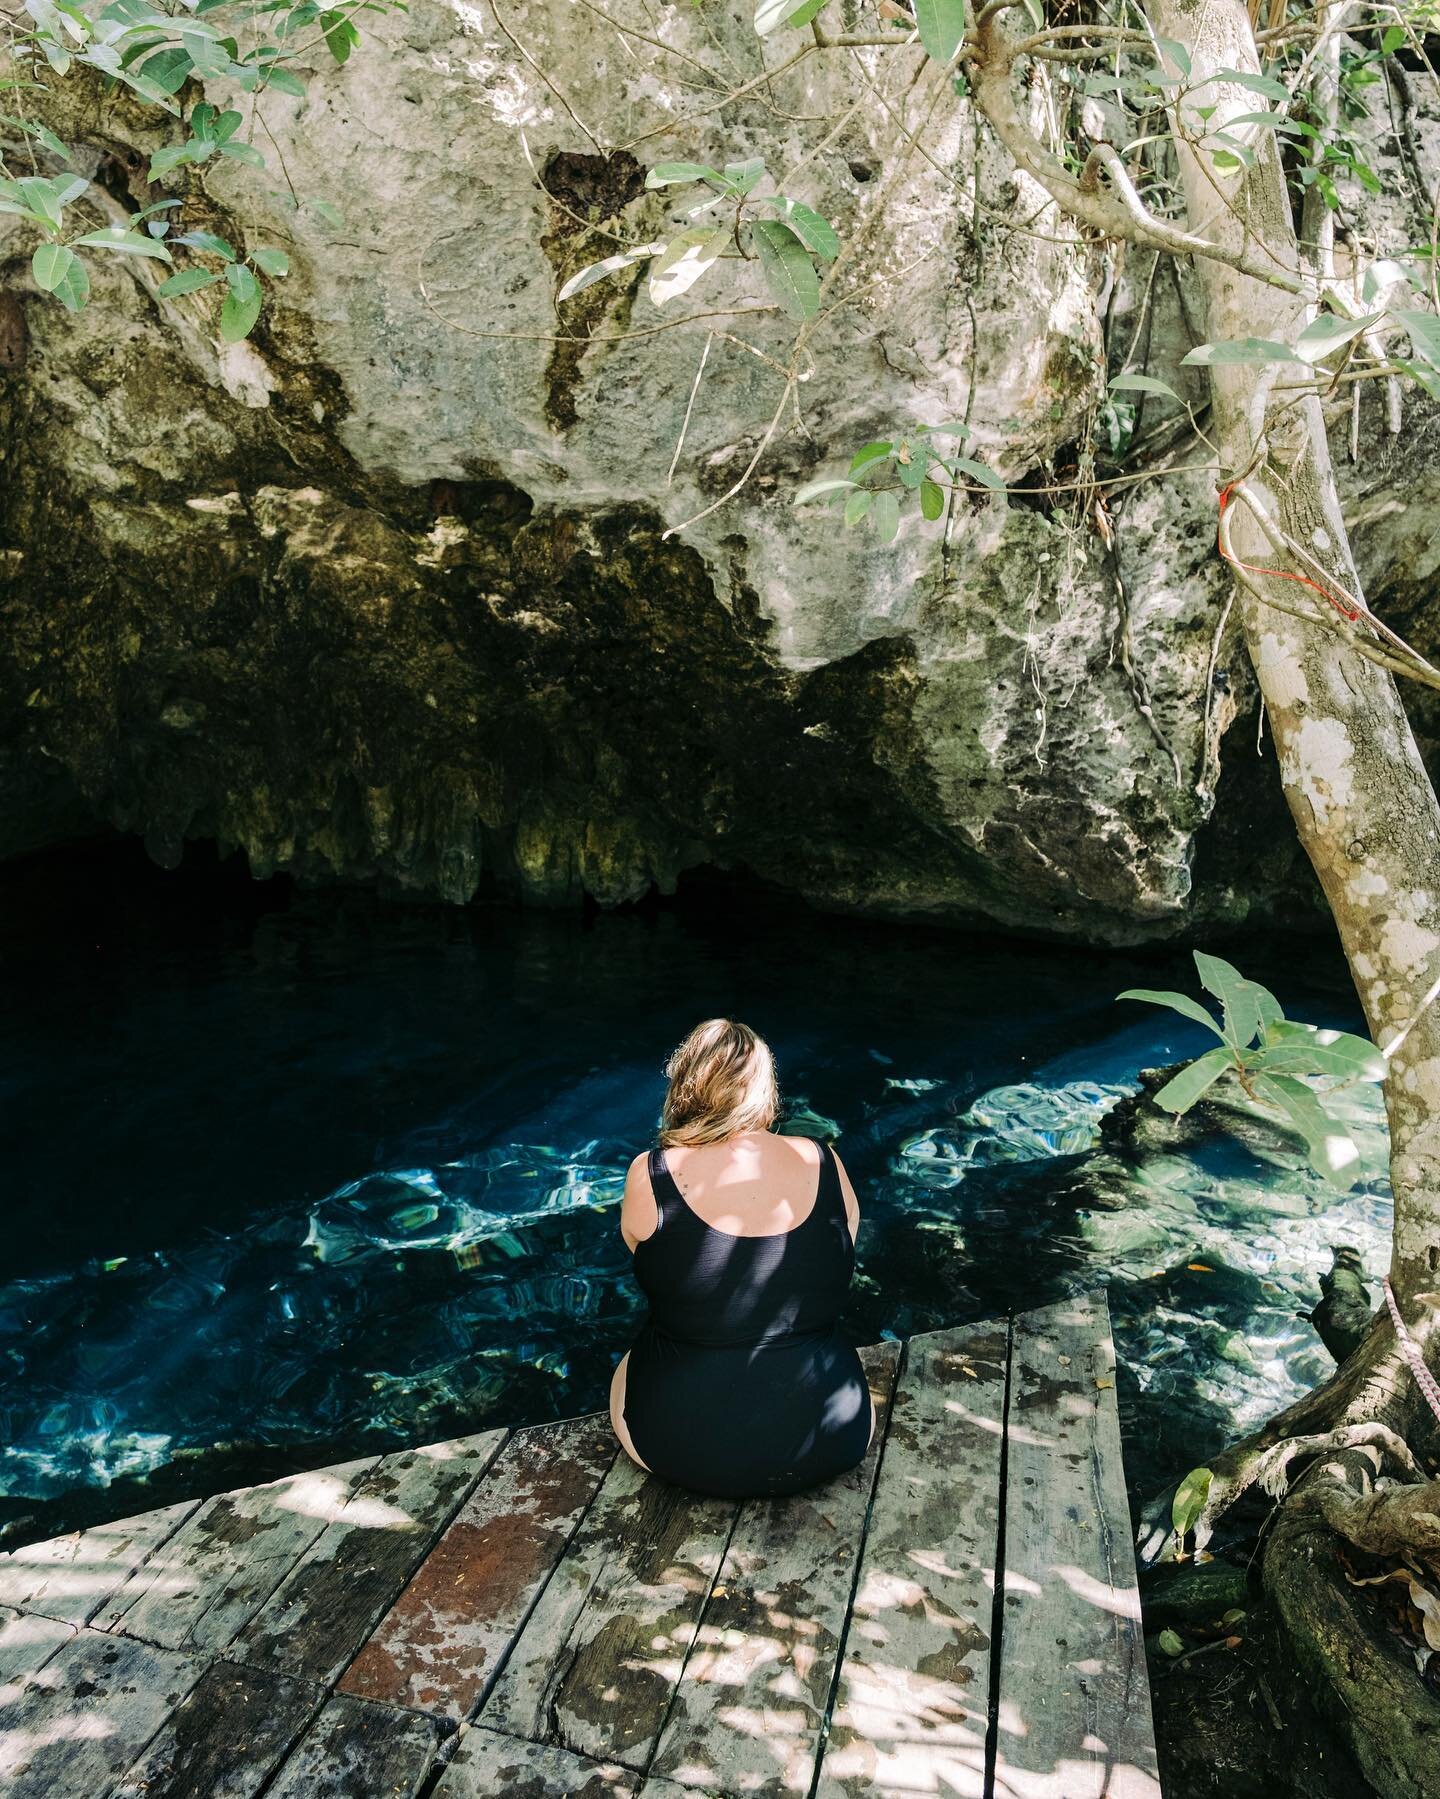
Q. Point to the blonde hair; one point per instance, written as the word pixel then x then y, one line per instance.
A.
pixel 722 1082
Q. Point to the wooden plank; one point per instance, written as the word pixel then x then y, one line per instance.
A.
pixel 227 1739
pixel 440 1645
pixel 87 1714
pixel 27 1642
pixel 198 1589
pixel 487 1765
pixel 70 1577
pixel 594 1668
pixel 359 1750
pixel 911 1706
pixel 328 1603
pixel 750 1705
pixel 1074 1719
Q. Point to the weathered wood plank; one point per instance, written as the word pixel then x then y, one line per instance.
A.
pixel 70 1577
pixel 1074 1720
pixel 751 1702
pixel 442 1641
pixel 225 1741
pixel 27 1642
pixel 487 1765
pixel 594 1668
pixel 912 1702
pixel 87 1714
pixel 198 1589
pixel 328 1603
pixel 356 1749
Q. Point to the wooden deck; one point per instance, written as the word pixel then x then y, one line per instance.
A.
pixel 524 1614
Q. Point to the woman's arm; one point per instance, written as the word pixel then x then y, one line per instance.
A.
pixel 852 1205
pixel 638 1217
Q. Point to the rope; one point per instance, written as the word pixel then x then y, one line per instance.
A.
pixel 1227 494
pixel 1424 1379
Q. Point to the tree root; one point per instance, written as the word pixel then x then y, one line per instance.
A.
pixel 1388 1716
pixel 1373 1391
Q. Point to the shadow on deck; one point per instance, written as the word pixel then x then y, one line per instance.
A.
pixel 523 1613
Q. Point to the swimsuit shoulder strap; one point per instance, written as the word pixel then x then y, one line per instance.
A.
pixel 668 1202
pixel 829 1189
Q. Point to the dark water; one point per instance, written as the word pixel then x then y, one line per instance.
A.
pixel 288 1170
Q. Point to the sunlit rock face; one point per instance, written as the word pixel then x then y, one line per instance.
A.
pixel 384 593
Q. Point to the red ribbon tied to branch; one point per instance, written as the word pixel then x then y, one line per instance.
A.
pixel 1227 493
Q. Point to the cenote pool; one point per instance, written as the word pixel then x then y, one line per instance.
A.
pixel 286 1175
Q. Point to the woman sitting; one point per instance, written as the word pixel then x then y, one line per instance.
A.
pixel 740 1383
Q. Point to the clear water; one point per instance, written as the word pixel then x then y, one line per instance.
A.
pixel 284 1170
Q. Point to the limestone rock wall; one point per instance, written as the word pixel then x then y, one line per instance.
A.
pixel 384 592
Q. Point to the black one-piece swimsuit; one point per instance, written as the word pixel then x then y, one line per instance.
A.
pixel 740 1383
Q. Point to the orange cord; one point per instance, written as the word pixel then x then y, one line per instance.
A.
pixel 1227 493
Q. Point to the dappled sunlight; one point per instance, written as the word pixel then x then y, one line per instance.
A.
pixel 19 1749
pixel 1073 1779
pixel 1124 1603
pixel 318 1495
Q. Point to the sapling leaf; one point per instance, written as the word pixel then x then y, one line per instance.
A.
pixel 127 243
pixel 941 24
pixel 1332 1150
pixel 1142 384
pixel 50 264
pixel 816 233
pixel 1189 1500
pixel 788 270
pixel 669 174
pixel 885 515
pixel 1177 1002
pixel 1179 1094
pixel 1244 349
pixel 1327 332
pixel 771 14
pixel 188 281
pixel 932 500
pixel 870 453
pixel 858 505
pixel 684 260
pixel 977 471
pixel 817 490
pixel 597 271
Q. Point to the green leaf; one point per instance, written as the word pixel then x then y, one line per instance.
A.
pixel 243 281
pixel 740 177
pixel 340 34
pixel 1321 1052
pixel 941 24
pixel 1189 1500
pixel 1255 84
pixel 271 261
pixel 1246 1005
pixel 1268 121
pixel 885 515
pixel 331 214
pixel 858 505
pixel 1424 329
pixel 41 197
pixel 1169 1644
pixel 239 313
pixel 246 153
pixel 188 281
pixel 868 453
pixel 1427 378
pixel 1332 1150
pixel 912 471
pixel 1244 349
pixel 50 265
pixel 789 272
pixel 932 500
pixel 597 271
pixel 1177 1002
pixel 1179 1094
pixel 1177 53
pixel 977 471
pixel 169 68
pixel 1379 276
pixel 74 288
pixel 207 240
pixel 669 174
pixel 1142 384
pixel 684 260
pixel 1326 332
pixel 770 14
pixel 284 81
pixel 127 243
pixel 814 232
pixel 952 429
pixel 816 490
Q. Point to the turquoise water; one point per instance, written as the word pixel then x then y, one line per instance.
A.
pixel 286 1171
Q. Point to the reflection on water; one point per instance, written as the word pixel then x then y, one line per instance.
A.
pixel 289 1169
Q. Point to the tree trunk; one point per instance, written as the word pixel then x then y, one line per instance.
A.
pixel 1362 802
